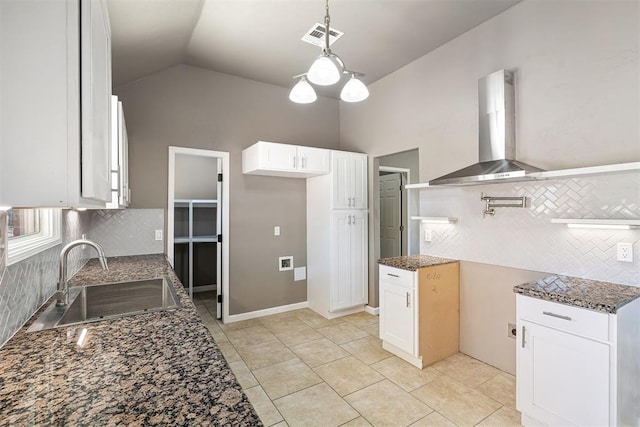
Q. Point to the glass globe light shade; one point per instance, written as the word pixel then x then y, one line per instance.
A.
pixel 354 90
pixel 302 92
pixel 325 70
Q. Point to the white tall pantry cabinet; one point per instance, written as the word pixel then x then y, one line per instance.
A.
pixel 337 278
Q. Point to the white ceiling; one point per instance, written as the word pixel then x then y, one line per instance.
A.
pixel 260 39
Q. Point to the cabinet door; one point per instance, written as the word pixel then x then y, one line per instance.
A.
pixel 96 100
pixel 397 316
pixel 562 378
pixel 341 261
pixel 358 185
pixel 313 159
pixel 358 257
pixel 278 156
pixel 341 170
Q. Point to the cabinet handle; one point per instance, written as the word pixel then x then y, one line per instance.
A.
pixel 559 316
pixel 407 299
pixel 392 275
pixel 294 162
pixel 354 219
pixel 523 337
pixel 304 162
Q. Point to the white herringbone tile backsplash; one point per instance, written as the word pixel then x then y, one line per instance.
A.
pixel 26 285
pixel 525 238
pixel 128 231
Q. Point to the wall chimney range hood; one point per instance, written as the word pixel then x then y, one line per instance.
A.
pixel 496 137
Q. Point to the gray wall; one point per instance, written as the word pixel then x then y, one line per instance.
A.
pixel 195 177
pixel 577 104
pixel 191 107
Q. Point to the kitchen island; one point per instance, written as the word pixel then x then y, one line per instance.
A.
pixel 158 368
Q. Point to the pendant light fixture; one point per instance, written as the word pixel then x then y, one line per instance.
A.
pixel 327 70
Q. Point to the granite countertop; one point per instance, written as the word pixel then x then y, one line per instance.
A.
pixel 159 368
pixel 414 262
pixel 591 294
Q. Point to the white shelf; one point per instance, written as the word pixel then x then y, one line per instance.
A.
pixel 200 203
pixel 436 219
pixel 420 185
pixel 598 223
pixel 205 239
pixel 562 173
pixel 591 170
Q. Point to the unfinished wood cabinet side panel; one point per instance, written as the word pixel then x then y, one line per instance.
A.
pixel 439 319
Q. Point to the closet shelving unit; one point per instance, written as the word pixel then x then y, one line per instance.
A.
pixel 195 239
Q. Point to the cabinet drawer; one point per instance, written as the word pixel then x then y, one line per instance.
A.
pixel 397 276
pixel 587 323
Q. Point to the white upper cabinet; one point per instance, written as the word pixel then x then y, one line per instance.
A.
pixel 95 77
pixel 350 180
pixel 293 161
pixel 119 158
pixel 55 104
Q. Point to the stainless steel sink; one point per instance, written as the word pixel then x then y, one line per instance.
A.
pixel 92 303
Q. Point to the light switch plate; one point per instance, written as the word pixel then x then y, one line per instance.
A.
pixel 158 234
pixel 276 231
pixel 428 235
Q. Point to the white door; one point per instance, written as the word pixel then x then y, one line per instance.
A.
pixel 562 378
pixel 313 159
pixel 390 215
pixel 278 156
pixel 219 243
pixel 397 316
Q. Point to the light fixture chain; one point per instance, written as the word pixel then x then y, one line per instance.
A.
pixel 327 20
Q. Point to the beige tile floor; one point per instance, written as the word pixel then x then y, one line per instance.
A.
pixel 298 368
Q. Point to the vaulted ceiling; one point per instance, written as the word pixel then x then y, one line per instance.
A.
pixel 260 39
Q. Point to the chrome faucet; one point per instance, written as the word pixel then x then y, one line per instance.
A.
pixel 63 283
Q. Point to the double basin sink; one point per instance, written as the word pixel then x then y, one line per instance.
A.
pixel 92 303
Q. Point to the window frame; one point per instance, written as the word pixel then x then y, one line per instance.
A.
pixel 50 235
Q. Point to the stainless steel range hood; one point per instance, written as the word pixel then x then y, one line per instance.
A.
pixel 497 137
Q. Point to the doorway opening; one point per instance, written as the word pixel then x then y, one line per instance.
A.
pixel 197 225
pixel 394 240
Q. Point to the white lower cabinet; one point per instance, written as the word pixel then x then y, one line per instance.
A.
pixel 576 366
pixel 348 255
pixel 397 319
pixel 419 316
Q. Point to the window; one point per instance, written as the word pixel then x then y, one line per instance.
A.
pixel 31 231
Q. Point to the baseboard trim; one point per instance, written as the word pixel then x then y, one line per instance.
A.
pixel 266 312
pixel 372 310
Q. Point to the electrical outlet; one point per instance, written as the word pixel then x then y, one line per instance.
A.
pixel 276 231
pixel 625 252
pixel 158 234
pixel 511 330
pixel 428 235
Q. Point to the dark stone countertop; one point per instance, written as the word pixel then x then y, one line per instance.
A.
pixel 159 368
pixel 414 262
pixel 591 294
